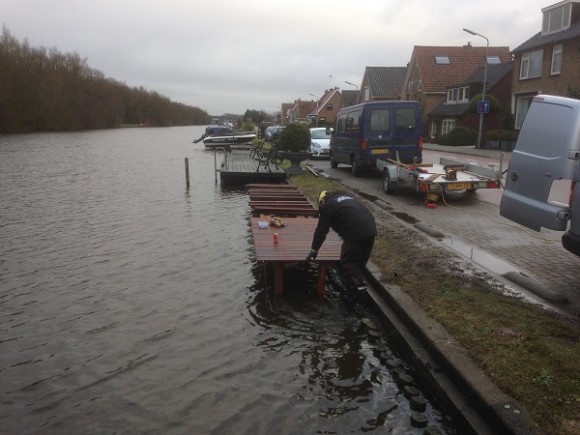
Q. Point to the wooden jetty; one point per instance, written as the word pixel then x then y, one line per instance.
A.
pixel 242 166
pixel 290 243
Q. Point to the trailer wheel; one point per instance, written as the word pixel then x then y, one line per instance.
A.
pixel 387 183
pixel 333 163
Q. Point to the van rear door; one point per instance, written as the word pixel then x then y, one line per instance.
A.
pixel 394 131
pixel 546 151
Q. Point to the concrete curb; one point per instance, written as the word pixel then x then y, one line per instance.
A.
pixel 457 382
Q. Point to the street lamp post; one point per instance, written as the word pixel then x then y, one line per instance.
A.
pixel 352 84
pixel 484 83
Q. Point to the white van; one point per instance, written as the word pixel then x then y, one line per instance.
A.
pixel 547 150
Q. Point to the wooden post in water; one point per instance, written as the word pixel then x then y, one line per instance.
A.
pixel 187 172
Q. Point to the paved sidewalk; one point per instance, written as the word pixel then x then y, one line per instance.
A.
pixel 470 225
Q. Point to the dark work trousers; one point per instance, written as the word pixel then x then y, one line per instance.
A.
pixel 354 255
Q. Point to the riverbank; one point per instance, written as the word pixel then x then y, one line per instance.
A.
pixel 512 361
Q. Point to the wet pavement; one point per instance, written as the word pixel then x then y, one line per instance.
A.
pixel 532 263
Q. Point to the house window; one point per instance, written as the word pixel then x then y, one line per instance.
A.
pixel 493 60
pixel 457 95
pixel 556 19
pixel 447 125
pixel 329 106
pixel 442 60
pixel 531 66
pixel 433 130
pixel 522 105
pixel 556 60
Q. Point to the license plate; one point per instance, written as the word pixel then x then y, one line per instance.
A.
pixel 380 151
pixel 459 186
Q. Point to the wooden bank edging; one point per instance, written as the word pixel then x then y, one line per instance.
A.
pixel 459 384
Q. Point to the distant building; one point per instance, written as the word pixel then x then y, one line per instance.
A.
pixel 382 83
pixel 456 109
pixel 299 111
pixel 325 111
pixel 548 62
pixel 432 69
pixel 349 98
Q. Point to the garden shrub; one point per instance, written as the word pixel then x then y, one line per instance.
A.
pixel 459 136
pixel 294 138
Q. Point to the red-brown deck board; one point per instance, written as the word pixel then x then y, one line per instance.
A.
pixel 279 199
pixel 293 246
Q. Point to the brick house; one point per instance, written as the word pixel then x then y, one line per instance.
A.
pixel 325 111
pixel 456 109
pixel 548 62
pixel 432 69
pixel 297 111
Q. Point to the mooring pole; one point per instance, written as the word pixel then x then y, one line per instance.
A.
pixel 187 172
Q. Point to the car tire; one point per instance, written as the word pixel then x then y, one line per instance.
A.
pixel 355 168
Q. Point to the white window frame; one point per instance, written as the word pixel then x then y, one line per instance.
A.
pixel 458 95
pixel 447 125
pixel 433 130
pixel 531 64
pixel 556 19
pixel 556 60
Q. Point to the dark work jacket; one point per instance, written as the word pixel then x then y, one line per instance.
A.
pixel 345 215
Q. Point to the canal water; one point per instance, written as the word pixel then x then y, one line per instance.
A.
pixel 130 304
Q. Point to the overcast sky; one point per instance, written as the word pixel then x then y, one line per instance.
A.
pixel 226 56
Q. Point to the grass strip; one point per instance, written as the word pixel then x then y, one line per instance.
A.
pixel 531 353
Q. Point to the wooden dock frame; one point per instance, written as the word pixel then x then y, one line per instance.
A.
pixel 237 167
pixel 293 240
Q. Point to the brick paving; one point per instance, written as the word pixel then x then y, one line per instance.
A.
pixel 473 219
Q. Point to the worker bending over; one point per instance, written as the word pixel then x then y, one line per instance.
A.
pixel 355 224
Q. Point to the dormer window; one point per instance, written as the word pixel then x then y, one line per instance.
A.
pixel 458 95
pixel 442 60
pixel 556 19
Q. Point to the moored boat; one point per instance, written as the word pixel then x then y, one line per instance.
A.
pixel 222 136
pixel 221 140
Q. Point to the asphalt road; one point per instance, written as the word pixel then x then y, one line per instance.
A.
pixel 532 263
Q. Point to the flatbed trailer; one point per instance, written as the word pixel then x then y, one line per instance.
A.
pixel 434 179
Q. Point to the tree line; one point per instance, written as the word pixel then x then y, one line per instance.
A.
pixel 46 90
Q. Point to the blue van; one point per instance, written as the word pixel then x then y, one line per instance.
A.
pixel 377 129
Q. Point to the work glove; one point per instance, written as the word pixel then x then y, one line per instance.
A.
pixel 312 255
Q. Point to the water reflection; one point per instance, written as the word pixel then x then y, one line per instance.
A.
pixel 129 305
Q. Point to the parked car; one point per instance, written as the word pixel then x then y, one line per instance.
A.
pixel 547 151
pixel 377 129
pixel 273 132
pixel 263 126
pixel 319 142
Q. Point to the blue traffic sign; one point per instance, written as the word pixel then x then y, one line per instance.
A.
pixel 483 106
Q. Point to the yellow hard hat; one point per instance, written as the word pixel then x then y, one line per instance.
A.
pixel 322 196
